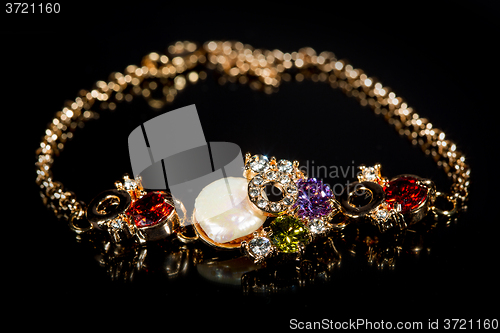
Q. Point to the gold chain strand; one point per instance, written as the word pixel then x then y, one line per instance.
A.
pixel 262 70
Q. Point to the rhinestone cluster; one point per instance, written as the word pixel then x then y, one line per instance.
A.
pixel 281 174
pixel 286 234
pixel 302 213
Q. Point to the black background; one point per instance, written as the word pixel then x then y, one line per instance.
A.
pixel 441 59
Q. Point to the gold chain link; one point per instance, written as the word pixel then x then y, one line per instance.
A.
pixel 262 70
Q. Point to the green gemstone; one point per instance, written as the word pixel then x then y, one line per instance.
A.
pixel 288 232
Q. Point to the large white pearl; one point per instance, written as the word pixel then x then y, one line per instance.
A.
pixel 223 211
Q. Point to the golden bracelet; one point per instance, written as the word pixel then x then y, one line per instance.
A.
pixel 296 219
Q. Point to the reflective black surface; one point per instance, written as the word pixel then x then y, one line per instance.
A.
pixel 434 58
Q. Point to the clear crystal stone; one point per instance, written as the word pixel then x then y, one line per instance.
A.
pixel 261 203
pixel 285 166
pixel 288 200
pixel 275 207
pixel 253 192
pixel 284 179
pixel 259 246
pixel 272 175
pixel 382 214
pixel 369 174
pixel 129 184
pixel 291 189
pixel 259 163
pixel 258 180
pixel 316 226
pixel 116 224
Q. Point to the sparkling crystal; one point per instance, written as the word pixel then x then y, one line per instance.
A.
pixel 288 232
pixel 313 200
pixel 284 179
pixel 382 214
pixel 129 184
pixel 291 189
pixel 116 224
pixel 150 210
pixel 369 174
pixel 285 166
pixel 259 246
pixel 405 191
pixel 272 175
pixel 253 192
pixel 288 200
pixel 317 226
pixel 261 203
pixel 275 207
pixel 259 163
pixel 258 180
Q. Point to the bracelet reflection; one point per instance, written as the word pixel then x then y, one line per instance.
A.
pixel 356 246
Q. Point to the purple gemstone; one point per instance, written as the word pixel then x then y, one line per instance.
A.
pixel 313 199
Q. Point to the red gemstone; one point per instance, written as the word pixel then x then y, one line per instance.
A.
pixel 150 209
pixel 405 191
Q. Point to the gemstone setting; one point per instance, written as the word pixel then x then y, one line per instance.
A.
pixel 259 247
pixel 257 195
pixel 289 234
pixel 382 215
pixel 405 194
pixel 314 199
pixel 285 166
pixel 317 226
pixel 150 210
pixel 400 202
pixel 258 163
pixel 371 174
pixel 130 184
